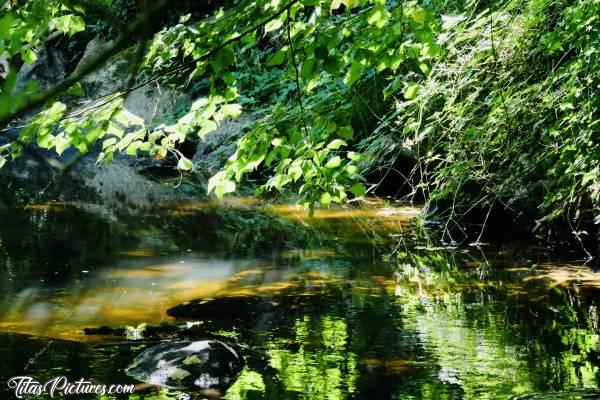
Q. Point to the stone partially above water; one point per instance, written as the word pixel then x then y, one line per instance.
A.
pixel 197 365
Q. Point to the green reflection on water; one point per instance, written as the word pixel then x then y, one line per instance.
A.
pixel 336 316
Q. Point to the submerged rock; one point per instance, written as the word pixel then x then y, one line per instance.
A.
pixel 221 307
pixel 198 365
pixel 257 313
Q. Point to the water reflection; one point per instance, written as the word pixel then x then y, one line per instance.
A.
pixel 347 305
pixel 128 292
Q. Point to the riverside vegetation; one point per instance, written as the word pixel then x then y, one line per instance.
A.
pixel 486 110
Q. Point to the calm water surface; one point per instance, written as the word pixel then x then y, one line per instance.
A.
pixel 353 304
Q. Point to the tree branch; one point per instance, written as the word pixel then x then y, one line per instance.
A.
pixel 187 64
pixel 121 42
pixel 298 88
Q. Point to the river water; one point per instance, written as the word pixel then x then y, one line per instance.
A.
pixel 355 303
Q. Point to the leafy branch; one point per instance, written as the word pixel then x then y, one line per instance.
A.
pixel 120 43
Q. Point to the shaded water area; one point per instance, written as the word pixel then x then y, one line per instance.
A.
pixel 355 303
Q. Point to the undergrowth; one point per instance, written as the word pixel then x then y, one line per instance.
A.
pixel 505 125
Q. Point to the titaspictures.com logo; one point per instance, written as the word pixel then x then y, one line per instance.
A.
pixel 28 386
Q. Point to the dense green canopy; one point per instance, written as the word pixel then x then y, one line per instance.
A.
pixel 493 102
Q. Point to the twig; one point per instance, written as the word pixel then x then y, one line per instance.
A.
pixel 298 88
pixel 495 55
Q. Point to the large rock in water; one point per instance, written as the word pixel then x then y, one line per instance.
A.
pixel 199 365
pixel 128 182
pixel 150 102
pixel 118 185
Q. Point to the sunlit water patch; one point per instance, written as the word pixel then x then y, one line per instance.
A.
pixel 127 291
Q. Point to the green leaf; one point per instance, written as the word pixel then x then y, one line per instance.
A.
pixel 334 162
pixel 61 144
pixel 358 189
pixel 411 90
pixel 76 90
pixel 45 141
pixel 425 68
pixel 393 87
pixel 273 25
pixel 231 110
pixel 56 111
pixel 354 156
pixel 336 144
pixel 307 69
pixel 28 55
pixel 431 50
pixel 332 65
pixel 224 187
pixel 340 196
pixel 222 59
pixel 280 181
pixel 378 16
pixel 352 169
pixel 295 172
pixel 69 24
pixel 349 4
pixel 418 15
pixel 325 199
pixel 279 57
pixel 207 127
pixel 591 176
pixel 109 142
pixel 127 118
pixel 132 149
pixel 184 164
pixel 346 132
pixel 114 129
pixel 78 25
pixel 5 24
pixel 353 73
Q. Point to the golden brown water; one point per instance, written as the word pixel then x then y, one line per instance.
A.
pixel 137 285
